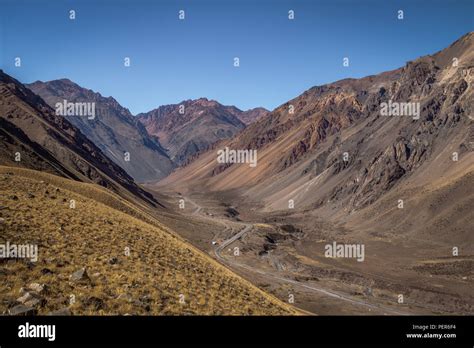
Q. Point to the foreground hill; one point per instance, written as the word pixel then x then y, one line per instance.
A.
pixel 33 136
pixel 192 126
pixel 106 256
pixel 114 130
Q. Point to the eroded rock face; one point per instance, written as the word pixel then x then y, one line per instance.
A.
pixel 193 126
pixel 340 133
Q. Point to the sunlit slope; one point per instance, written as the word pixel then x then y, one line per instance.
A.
pixel 132 266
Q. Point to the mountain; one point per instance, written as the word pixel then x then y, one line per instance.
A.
pixel 113 129
pixel 338 153
pixel 192 126
pixel 252 115
pixel 33 136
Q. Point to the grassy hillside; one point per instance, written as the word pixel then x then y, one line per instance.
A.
pixel 159 270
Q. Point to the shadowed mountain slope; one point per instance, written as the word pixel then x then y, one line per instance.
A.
pixel 33 136
pixel 114 130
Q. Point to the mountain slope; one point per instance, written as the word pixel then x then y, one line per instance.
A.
pixel 301 155
pixel 192 126
pixel 114 130
pixel 46 141
pixel 83 252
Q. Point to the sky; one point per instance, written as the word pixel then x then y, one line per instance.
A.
pixel 173 60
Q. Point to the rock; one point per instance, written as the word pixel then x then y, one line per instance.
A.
pixel 2 221
pixel 80 276
pixel 25 298
pixel 33 302
pixel 61 312
pixel 30 299
pixel 38 288
pixel 22 310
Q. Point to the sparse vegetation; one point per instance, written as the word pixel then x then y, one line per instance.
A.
pixel 94 236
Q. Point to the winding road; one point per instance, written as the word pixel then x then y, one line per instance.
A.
pixel 247 227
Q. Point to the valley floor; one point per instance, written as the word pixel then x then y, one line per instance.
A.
pixel 107 255
pixel 283 254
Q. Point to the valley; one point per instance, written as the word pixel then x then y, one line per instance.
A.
pixel 353 198
pixel 296 267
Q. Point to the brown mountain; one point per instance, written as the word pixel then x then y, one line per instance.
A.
pixel 33 136
pixel 252 115
pixel 113 129
pixel 338 154
pixel 192 126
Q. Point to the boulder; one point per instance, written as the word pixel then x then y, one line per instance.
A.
pixel 22 310
pixel 80 276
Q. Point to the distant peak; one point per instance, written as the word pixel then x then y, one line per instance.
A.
pixel 258 108
pixel 206 102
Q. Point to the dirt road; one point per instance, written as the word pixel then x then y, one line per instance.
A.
pixel 246 228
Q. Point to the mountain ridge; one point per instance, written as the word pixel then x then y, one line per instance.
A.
pixel 191 126
pixel 45 141
pixel 344 116
pixel 114 129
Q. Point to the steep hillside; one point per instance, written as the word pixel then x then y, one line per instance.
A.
pixel 105 256
pixel 192 126
pixel 33 136
pixel 113 129
pixel 332 148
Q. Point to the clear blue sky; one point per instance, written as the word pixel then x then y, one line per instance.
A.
pixel 173 60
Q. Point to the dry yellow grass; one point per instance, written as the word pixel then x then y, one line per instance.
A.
pixel 159 270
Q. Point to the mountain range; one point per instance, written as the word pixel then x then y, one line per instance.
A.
pixel 385 160
pixel 193 126
pixel 160 139
pixel 332 150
